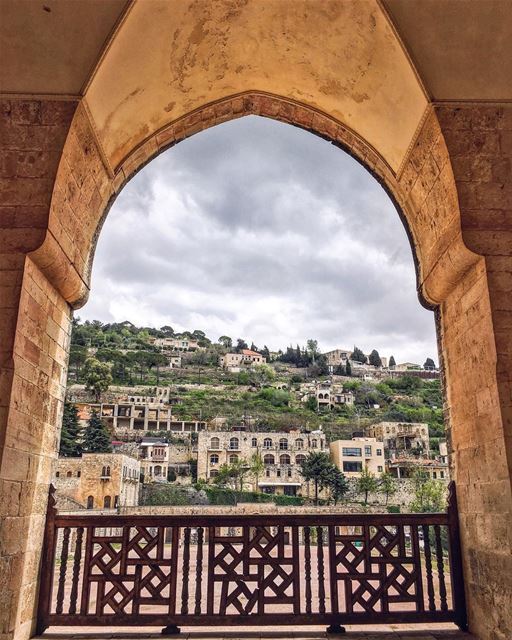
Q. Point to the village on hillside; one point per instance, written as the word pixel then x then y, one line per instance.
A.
pixel 153 417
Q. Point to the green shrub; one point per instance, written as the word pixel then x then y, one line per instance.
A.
pixel 393 508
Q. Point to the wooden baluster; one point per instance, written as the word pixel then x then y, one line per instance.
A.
pixel 63 569
pixel 186 570
pixel 199 570
pixel 428 566
pixel 307 567
pixel 76 570
pixel 440 568
pixel 320 564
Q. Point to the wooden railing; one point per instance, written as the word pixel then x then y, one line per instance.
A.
pixel 252 570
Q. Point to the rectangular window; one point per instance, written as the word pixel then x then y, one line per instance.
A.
pixel 442 474
pixel 367 450
pixel 354 452
pixel 380 469
pixel 352 466
pixel 379 452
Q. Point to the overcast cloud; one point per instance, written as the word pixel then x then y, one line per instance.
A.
pixel 259 230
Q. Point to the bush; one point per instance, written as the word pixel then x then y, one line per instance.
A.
pixel 392 508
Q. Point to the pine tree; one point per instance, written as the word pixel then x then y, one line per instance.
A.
pixel 97 438
pixel 358 355
pixel 348 368
pixel 71 434
pixel 375 359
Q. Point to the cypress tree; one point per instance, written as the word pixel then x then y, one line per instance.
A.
pixel 392 362
pixel 71 434
pixel 97 438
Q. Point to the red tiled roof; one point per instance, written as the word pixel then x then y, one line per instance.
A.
pixel 248 352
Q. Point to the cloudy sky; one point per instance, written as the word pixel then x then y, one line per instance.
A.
pixel 259 230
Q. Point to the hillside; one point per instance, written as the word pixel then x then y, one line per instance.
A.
pixel 269 397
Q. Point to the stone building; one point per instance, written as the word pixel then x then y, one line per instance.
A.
pixel 331 395
pixel 402 437
pixel 352 456
pixel 281 453
pixel 433 124
pixel 337 358
pixel 406 467
pixel 158 457
pixel 99 480
pixel 236 361
pixel 134 418
pixel 177 343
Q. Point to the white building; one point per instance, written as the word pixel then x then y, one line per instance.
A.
pixel 236 361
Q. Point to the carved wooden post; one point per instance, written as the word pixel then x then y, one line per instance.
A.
pixel 457 576
pixel 47 564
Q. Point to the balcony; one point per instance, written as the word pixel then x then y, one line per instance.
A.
pixel 251 570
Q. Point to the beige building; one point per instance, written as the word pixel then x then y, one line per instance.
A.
pixel 281 453
pixel 406 467
pixel 177 343
pixel 134 418
pixel 158 457
pixel 337 358
pixel 352 456
pixel 329 396
pixel 99 480
pixel 246 358
pixel 402 437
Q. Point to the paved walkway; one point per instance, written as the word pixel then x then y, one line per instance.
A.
pixel 382 632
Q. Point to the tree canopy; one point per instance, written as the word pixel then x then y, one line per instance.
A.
pixel 71 434
pixel 96 437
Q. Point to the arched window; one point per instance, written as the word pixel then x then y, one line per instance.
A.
pixel 116 502
pixel 267 443
pixel 103 471
pixel 233 458
pixel 90 502
pixel 213 473
pixel 69 474
pixel 314 444
pixel 300 458
pixel 214 459
pixel 106 502
pixel 108 472
pixel 214 443
pixel 299 443
pixel 254 442
pixel 234 443
pixel 57 475
pixel 158 470
pixel 284 459
pixel 283 444
pixel 268 459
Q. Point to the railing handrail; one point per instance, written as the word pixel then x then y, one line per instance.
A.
pixel 229 520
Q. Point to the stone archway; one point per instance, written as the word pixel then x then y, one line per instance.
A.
pixel 340 72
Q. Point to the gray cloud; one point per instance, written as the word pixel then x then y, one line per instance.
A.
pixel 261 230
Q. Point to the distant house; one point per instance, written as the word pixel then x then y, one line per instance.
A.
pixel 337 358
pixel 246 358
pixel 176 343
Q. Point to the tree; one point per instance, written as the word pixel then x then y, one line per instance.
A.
pixel 311 403
pixel 167 331
pixel 374 359
pixel 226 342
pixel 429 364
pixel 265 353
pixel 316 467
pixel 367 483
pixel 392 362
pixel 97 377
pixel 96 438
pixel 428 494
pixel 358 356
pixel 387 485
pixel 348 368
pixel 337 484
pixel 241 344
pixel 71 434
pixel 312 346
pixel 256 469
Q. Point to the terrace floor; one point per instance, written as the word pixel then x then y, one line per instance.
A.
pixel 381 632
